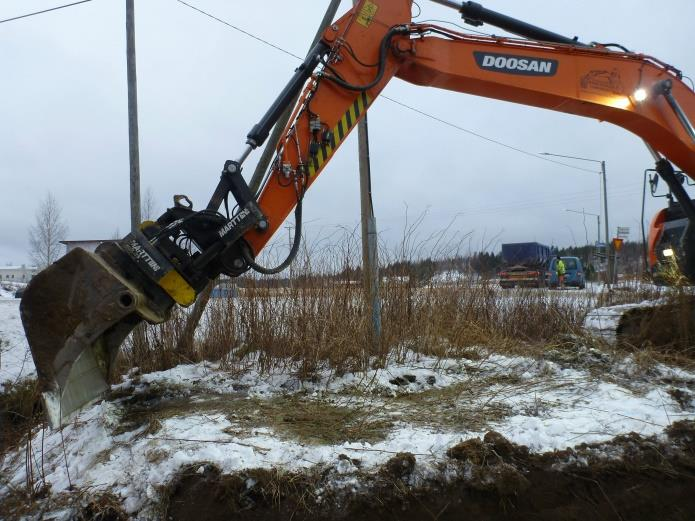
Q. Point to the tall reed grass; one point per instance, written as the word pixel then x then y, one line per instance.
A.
pixel 316 317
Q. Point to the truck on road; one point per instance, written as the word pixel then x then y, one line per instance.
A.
pixel 525 264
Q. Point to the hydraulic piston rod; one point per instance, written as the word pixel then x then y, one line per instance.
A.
pixel 475 14
pixel 664 88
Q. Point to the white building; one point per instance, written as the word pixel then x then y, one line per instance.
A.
pixel 21 273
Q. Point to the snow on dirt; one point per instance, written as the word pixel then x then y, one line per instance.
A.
pixel 15 359
pixel 424 405
pixel 603 322
pixel 546 405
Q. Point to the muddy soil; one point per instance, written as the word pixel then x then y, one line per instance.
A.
pixel 628 478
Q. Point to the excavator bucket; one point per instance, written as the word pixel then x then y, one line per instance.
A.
pixel 76 313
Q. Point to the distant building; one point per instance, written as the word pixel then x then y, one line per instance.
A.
pixel 21 273
pixel 89 245
pixel 225 288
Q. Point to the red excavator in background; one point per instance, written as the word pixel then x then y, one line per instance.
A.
pixel 77 312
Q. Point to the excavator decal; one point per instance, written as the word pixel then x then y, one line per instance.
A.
pixel 512 64
pixel 341 129
pixel 605 81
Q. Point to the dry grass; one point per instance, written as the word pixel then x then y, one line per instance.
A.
pixel 323 320
pixel 314 317
pixel 294 416
pixel 20 411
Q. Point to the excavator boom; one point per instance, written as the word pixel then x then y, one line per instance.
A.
pixel 78 311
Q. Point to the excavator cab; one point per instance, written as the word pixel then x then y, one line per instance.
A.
pixel 671 241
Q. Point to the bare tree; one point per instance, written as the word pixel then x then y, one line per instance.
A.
pixel 47 232
pixel 149 205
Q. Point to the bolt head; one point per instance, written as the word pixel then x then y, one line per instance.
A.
pixel 232 168
pixel 262 225
pixel 238 263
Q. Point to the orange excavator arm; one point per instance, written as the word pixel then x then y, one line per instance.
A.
pixel 623 88
pixel 77 312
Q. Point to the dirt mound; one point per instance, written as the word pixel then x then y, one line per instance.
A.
pixel 628 478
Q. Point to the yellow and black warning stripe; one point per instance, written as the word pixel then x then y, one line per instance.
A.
pixel 342 129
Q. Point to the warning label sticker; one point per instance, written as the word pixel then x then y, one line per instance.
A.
pixel 367 13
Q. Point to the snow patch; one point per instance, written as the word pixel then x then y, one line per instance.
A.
pixel 15 358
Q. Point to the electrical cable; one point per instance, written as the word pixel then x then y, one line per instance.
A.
pixel 383 50
pixel 44 11
pixel 464 29
pixel 546 202
pixel 481 136
pixel 617 45
pixel 462 129
pixel 351 52
pixel 276 47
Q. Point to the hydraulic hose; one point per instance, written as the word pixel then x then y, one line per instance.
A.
pixel 383 49
pixel 248 257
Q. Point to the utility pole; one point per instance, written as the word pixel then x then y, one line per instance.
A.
pixel 132 117
pixel 370 259
pixel 255 183
pixel 605 224
pixel 602 173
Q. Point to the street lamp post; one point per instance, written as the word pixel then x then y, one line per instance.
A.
pixel 609 268
pixel 598 221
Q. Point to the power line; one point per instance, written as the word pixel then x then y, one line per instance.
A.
pixel 481 136
pixel 276 47
pixel 44 11
pixel 546 202
pixel 404 105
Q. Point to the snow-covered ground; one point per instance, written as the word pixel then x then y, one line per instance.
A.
pixel 15 358
pixel 540 403
pixel 135 442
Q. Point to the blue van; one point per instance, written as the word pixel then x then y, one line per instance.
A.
pixel 574 273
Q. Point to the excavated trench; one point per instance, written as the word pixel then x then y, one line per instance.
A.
pixel 628 478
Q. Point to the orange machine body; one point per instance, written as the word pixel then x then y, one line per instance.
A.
pixel 656 230
pixel 593 82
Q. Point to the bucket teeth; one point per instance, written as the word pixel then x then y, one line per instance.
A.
pixel 76 313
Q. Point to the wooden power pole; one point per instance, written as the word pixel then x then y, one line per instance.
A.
pixel 134 149
pixel 370 260
pixel 186 340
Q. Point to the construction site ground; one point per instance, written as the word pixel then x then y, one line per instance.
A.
pixel 568 431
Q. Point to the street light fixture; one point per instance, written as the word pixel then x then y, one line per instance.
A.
pixel 598 221
pixel 609 268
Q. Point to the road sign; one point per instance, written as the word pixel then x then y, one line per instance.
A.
pixel 623 232
pixel 617 244
pixel 600 244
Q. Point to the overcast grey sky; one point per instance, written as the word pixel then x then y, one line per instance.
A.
pixel 202 85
